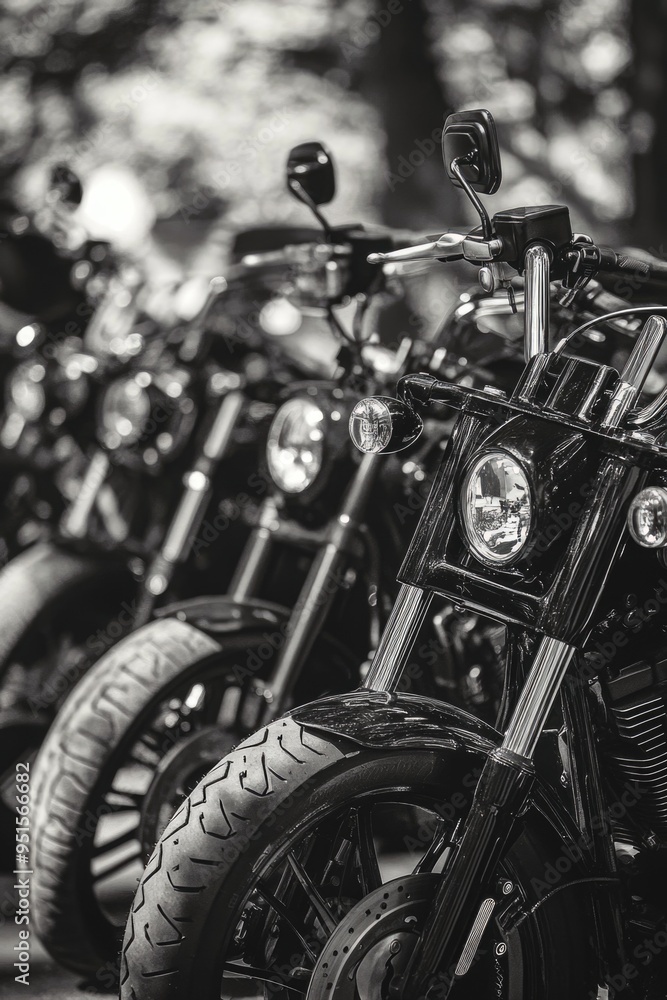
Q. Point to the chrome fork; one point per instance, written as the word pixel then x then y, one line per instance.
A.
pixel 506 781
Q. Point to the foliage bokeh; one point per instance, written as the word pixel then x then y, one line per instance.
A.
pixel 201 99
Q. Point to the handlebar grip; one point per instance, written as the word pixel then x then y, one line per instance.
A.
pixel 644 270
pixel 268 258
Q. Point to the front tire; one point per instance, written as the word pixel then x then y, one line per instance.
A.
pixel 253 881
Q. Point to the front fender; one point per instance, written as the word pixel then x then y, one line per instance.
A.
pixel 224 615
pixel 35 580
pixel 379 720
pixel 218 615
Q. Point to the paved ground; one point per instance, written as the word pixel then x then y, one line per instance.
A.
pixel 47 981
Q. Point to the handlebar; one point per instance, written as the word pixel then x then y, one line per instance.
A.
pixel 621 263
pixel 342 247
pixel 473 248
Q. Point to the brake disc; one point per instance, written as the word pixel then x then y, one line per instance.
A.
pixel 374 941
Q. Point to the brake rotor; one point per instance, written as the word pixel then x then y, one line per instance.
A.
pixel 176 775
pixel 374 941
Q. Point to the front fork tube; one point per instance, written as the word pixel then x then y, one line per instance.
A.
pixel 252 564
pixel 591 818
pixel 75 521
pixel 269 698
pixel 192 506
pixel 398 638
pixel 501 794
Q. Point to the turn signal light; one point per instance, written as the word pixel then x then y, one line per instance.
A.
pixel 647 518
pixel 383 424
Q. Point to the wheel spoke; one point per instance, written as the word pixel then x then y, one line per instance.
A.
pixel 282 911
pixel 369 868
pixel 128 802
pixel 263 975
pixel 148 765
pixel 149 752
pixel 324 914
pixel 442 839
pixel 117 866
pixel 111 845
pixel 151 740
pixel 342 866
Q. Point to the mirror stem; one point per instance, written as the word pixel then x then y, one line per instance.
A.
pixel 303 196
pixel 455 168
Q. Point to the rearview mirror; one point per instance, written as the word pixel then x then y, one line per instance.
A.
pixel 470 142
pixel 65 186
pixel 310 173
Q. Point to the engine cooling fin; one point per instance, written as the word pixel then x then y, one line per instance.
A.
pixel 637 704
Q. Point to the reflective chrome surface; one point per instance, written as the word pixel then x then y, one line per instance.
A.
pixel 536 316
pixel 404 622
pixel 542 685
pixel 370 425
pixel 496 508
pixel 295 445
pixel 645 351
pixel 75 520
pixel 647 518
pixel 651 411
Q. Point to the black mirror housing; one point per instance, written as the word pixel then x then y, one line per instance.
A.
pixel 310 171
pixel 471 136
pixel 65 186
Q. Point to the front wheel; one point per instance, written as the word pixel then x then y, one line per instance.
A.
pixel 282 875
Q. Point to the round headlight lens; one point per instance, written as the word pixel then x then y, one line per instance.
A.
pixel 496 508
pixel 125 410
pixel 295 445
pixel 647 518
pixel 26 392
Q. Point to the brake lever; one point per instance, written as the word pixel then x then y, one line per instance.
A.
pixel 450 246
pixel 269 258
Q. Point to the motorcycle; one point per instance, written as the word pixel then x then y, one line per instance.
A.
pixel 48 283
pixel 320 562
pixel 535 863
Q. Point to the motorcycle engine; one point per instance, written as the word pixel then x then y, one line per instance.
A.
pixel 637 710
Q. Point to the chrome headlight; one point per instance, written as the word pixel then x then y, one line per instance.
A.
pixel 496 508
pixel 125 411
pixel 295 445
pixel 25 391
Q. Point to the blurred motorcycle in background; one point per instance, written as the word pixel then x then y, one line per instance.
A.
pixel 174 398
pixel 50 277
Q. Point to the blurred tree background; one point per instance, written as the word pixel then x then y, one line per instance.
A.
pixel 201 99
